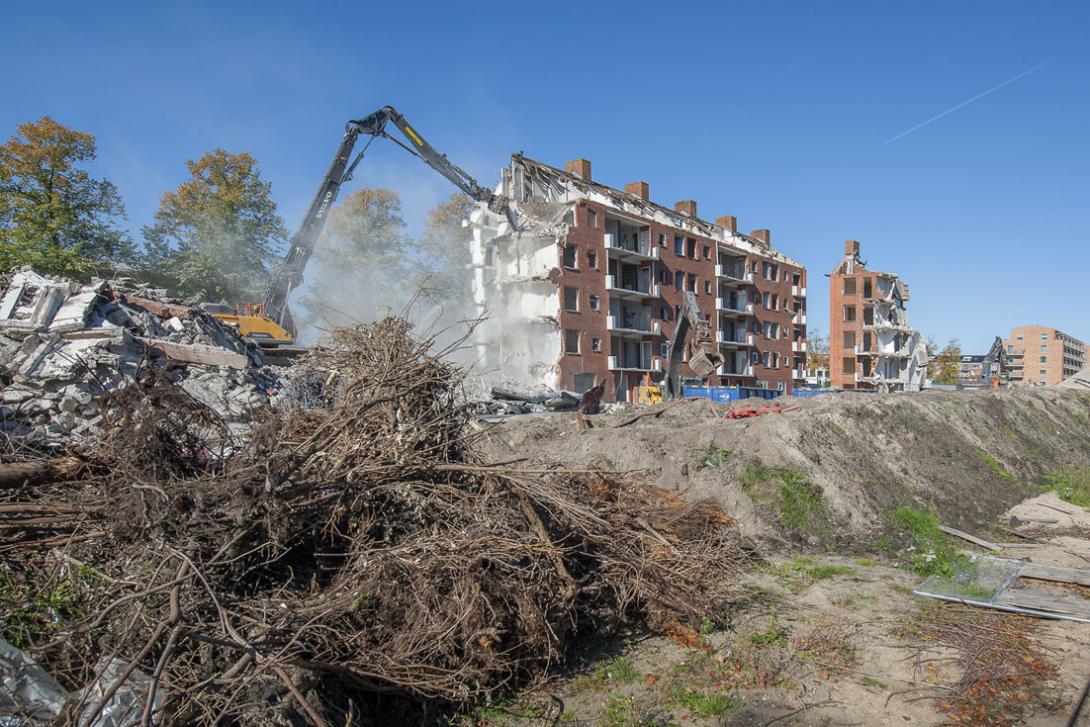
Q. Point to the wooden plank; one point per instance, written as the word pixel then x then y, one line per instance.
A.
pixel 1041 601
pixel 1056 574
pixel 198 353
pixel 971 538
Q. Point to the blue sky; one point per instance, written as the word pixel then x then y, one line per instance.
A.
pixel 775 112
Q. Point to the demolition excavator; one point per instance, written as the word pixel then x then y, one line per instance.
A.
pixel 703 352
pixel 269 323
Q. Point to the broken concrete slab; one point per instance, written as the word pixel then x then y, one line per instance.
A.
pixel 197 353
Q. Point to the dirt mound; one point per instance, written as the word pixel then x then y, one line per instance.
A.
pixel 353 560
pixel 834 465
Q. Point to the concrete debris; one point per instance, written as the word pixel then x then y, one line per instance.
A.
pixel 64 345
pixel 1081 380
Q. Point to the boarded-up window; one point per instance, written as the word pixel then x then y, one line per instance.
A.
pixel 849 313
pixel 849 339
pixel 849 286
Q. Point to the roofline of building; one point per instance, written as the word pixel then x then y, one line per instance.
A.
pixel 681 219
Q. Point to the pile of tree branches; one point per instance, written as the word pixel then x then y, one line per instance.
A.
pixel 350 560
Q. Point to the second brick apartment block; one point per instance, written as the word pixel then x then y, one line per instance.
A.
pixel 588 289
pixel 871 345
pixel 1039 355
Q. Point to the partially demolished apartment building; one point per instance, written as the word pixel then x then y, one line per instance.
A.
pixel 871 345
pixel 589 288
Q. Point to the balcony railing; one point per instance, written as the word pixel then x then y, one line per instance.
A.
pixel 740 306
pixel 724 370
pixel 798 291
pixel 733 275
pixel 629 247
pixel 642 289
pixel 635 323
pixel 799 318
pixel 798 345
pixel 737 338
pixel 653 364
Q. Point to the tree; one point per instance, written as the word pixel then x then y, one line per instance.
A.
pixel 53 214
pixel 216 237
pixel 946 364
pixel 817 350
pixel 360 270
pixel 444 252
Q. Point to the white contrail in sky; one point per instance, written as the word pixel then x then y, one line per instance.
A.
pixel 963 104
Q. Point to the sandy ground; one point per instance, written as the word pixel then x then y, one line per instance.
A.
pixel 976 460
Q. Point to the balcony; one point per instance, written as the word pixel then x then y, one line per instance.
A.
pixel 860 351
pixel 800 374
pixel 653 364
pixel 739 307
pixel 799 318
pixel 798 291
pixel 629 248
pixel 633 325
pixel 737 338
pixel 743 371
pixel 640 290
pixel 798 346
pixel 731 275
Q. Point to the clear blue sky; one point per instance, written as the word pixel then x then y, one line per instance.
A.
pixel 775 112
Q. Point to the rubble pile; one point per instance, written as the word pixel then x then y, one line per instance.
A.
pixel 358 562
pixel 65 346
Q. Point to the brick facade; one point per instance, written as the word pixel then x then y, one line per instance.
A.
pixel 1040 355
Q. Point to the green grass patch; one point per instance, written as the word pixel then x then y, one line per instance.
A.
pixel 773 634
pixel 867 562
pixel 704 704
pixel 1072 486
pixel 714 455
pixel 996 467
pixel 934 556
pixel 618 670
pixel 799 572
pixel 784 490
pixel 871 682
pixel 1079 418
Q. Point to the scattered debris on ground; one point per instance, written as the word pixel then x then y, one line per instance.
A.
pixel 66 347
pixel 357 561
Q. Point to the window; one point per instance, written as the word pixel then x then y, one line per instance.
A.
pixel 772 330
pixel 796 279
pixel 1044 336
pixel 1010 348
pixel 849 286
pixel 1019 337
pixel 592 260
pixel 692 283
pixel 1044 348
pixel 679 246
pixel 593 302
pixel 707 287
pixel 868 288
pixel 755 357
pixel 571 341
pixel 848 366
pixel 775 302
pixel 691 248
pixel 583 382
pixel 592 218
pixel 780 385
pixel 595 344
pixel 766 301
pixel 662 239
pixel 849 313
pixel 571 299
pixel 679 281
pixel 1044 359
pixel 571 257
pixel 664 349
pixel 664 313
pixel 849 339
pixel 664 276
pixel 707 253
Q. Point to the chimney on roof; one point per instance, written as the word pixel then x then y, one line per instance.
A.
pixel 728 223
pixel 579 167
pixel 686 207
pixel 851 247
pixel 762 236
pixel 638 189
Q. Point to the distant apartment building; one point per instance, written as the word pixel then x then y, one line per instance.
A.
pixel 589 287
pixel 871 345
pixel 1038 355
pixel 985 369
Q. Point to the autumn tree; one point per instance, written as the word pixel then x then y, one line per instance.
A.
pixel 361 267
pixel 817 350
pixel 443 253
pixel 945 365
pixel 53 214
pixel 217 236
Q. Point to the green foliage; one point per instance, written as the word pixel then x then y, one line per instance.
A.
pixel 504 712
pixel 1079 418
pixel 622 711
pixel 53 214
pixel 800 572
pixel 706 627
pixel 883 543
pixel 945 365
pixel 1072 486
pixel 793 499
pixel 714 456
pixel 617 670
pixel 871 682
pixel 444 252
pixel 31 613
pixel 996 467
pixel 935 556
pixel 215 237
pixel 867 562
pixel 704 704
pixel 774 633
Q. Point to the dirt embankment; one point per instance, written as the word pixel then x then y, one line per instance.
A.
pixel 833 466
